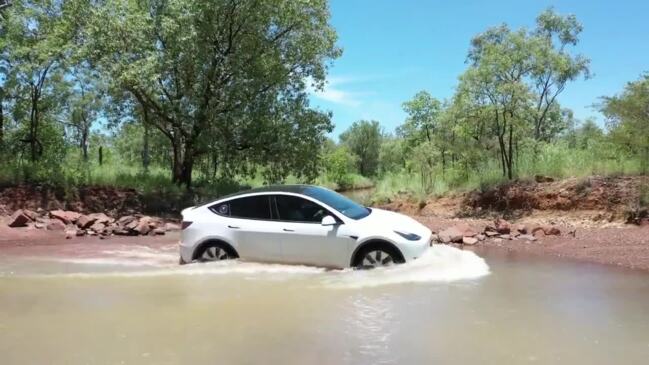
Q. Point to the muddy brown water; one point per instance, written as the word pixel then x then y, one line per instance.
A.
pixel 114 303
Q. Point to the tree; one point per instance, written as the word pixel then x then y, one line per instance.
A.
pixel 392 155
pixel 588 134
pixel 363 138
pixel 553 67
pixel 515 77
pixel 214 75
pixel 339 162
pixel 84 105
pixel 628 117
pixel 423 118
pixel 36 43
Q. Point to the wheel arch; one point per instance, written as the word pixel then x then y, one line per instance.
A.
pixel 375 241
pixel 226 246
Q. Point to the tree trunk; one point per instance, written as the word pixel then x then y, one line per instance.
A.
pixel 182 163
pixel 510 159
pixel 145 148
pixel 101 155
pixel 2 122
pixel 85 131
pixel 33 126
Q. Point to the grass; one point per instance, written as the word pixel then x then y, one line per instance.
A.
pixel 554 160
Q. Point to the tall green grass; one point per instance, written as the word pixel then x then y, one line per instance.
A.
pixel 553 160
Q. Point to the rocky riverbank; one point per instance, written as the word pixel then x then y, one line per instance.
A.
pixel 75 224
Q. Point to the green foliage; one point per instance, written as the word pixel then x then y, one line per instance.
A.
pixel 214 94
pixel 629 119
pixel 392 155
pixel 512 85
pixel 220 79
pixel 363 138
pixel 339 165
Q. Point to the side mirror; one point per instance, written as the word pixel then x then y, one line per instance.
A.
pixel 328 221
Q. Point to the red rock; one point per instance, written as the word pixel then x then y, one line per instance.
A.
pixel 31 214
pixel 521 228
pixel 132 225
pixel 491 233
pixel 502 226
pixel 469 240
pixel 19 219
pixel 643 222
pixel 126 220
pixel 452 234
pixel 101 218
pixel 142 228
pixel 55 225
pixel 65 216
pixel 85 221
pixel 466 230
pixel 538 232
pixel 527 237
pixel 551 231
pixel 98 227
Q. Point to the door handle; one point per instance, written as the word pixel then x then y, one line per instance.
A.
pixel 233 227
pixel 288 230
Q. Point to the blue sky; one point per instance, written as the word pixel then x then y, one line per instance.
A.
pixel 393 49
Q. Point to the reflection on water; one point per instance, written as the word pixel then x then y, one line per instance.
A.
pixel 371 322
pixel 113 304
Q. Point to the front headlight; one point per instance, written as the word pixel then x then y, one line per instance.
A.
pixel 408 236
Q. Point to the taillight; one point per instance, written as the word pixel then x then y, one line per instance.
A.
pixel 185 224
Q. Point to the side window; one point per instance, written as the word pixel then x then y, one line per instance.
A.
pixel 296 209
pixel 221 209
pixel 251 207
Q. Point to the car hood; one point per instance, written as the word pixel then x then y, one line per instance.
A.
pixel 391 221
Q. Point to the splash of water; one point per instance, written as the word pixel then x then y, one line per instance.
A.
pixel 438 264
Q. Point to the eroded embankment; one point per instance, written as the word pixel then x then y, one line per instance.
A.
pixel 579 201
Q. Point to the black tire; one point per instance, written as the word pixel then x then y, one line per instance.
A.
pixel 377 254
pixel 215 251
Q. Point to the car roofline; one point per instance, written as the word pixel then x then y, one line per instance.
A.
pixel 248 193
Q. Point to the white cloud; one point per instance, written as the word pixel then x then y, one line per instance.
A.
pixel 333 91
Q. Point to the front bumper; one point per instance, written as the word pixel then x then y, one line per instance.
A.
pixel 412 250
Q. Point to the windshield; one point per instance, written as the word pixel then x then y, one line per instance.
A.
pixel 339 202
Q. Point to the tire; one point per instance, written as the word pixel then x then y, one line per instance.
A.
pixel 377 254
pixel 215 251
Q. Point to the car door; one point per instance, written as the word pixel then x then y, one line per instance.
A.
pixel 305 240
pixel 256 235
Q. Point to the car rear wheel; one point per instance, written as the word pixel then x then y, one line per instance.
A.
pixel 377 255
pixel 215 252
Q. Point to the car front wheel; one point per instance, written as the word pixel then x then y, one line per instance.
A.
pixel 377 255
pixel 215 252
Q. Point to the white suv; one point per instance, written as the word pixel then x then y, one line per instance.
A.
pixel 299 224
